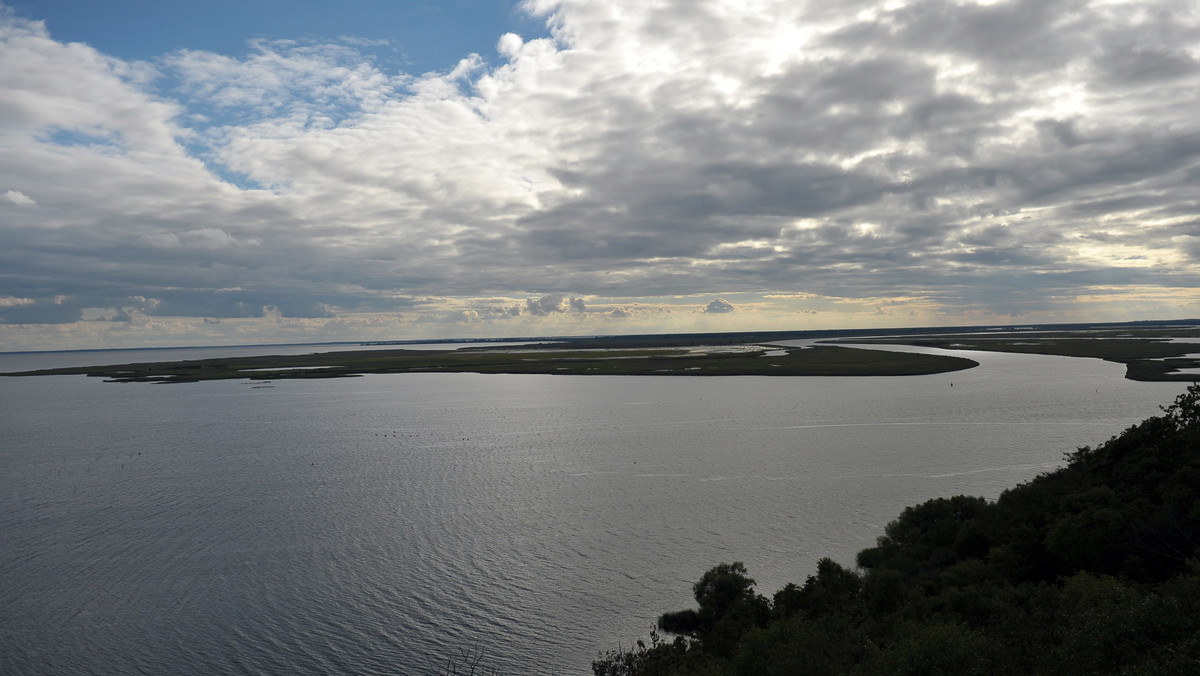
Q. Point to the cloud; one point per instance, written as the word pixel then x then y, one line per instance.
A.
pixel 555 302
pixel 979 158
pixel 18 198
pixel 509 45
pixel 718 306
pixel 57 311
pixel 469 315
pixel 204 238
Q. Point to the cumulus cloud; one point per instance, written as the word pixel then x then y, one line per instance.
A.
pixel 18 198
pixel 121 315
pixel 509 45
pixel 554 302
pixel 719 306
pixel 986 158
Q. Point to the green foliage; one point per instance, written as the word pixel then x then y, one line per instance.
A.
pixel 930 536
pixel 660 658
pixel 728 608
pixel 922 648
pixel 1091 569
pixel 800 646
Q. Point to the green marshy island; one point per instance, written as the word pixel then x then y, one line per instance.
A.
pixel 1150 353
pixel 751 361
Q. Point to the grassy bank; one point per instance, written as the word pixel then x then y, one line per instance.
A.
pixel 1147 356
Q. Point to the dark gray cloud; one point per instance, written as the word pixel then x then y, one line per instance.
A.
pixel 42 312
pixel 555 302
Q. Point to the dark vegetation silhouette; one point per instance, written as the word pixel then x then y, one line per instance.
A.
pixel 467 663
pixel 1093 568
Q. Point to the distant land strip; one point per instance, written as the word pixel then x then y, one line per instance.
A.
pixel 761 360
pixel 1151 355
pixel 1150 351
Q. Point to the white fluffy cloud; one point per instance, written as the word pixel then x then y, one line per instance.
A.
pixel 18 198
pixel 970 161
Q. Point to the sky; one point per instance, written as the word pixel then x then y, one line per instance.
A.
pixel 266 171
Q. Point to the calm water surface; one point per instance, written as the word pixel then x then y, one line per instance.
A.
pixel 388 524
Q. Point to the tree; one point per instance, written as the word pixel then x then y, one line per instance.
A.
pixel 728 607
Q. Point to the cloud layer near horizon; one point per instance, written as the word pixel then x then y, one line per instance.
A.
pixel 810 164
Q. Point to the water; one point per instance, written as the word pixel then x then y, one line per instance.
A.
pixel 390 524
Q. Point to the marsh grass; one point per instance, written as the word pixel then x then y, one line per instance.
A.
pixel 813 361
pixel 1146 357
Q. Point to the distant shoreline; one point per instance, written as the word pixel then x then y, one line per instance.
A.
pixel 1151 351
pixel 1157 327
pixel 760 360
